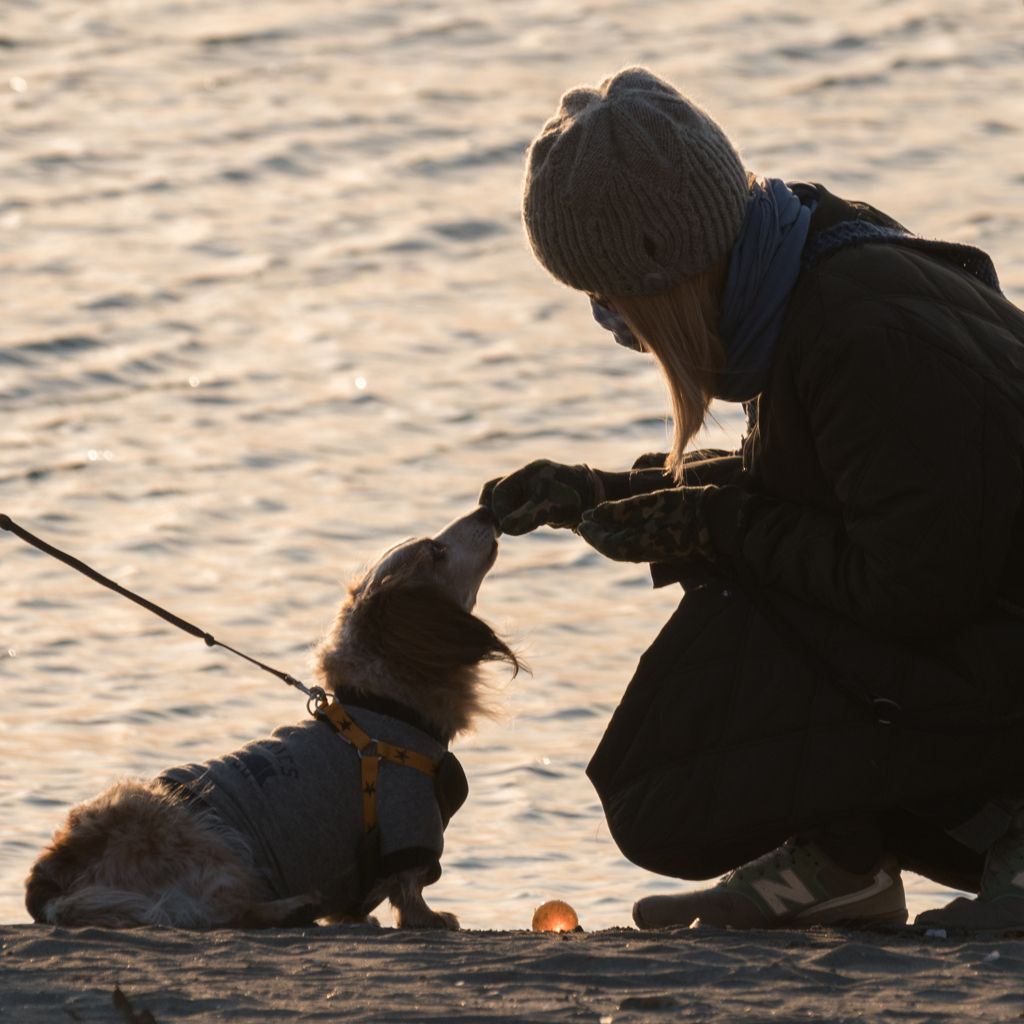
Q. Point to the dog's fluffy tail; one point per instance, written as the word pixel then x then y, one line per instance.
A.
pixel 101 906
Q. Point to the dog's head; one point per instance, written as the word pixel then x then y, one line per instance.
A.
pixel 407 630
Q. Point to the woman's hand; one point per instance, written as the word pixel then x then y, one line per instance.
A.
pixel 662 526
pixel 541 493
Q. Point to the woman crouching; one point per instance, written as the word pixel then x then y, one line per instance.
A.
pixel 840 694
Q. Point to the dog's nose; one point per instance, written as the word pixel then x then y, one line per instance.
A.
pixel 484 514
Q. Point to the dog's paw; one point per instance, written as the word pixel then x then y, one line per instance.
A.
pixel 427 918
pixel 447 921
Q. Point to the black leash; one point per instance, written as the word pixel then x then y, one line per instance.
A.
pixel 8 524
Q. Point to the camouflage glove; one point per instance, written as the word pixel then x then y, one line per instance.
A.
pixel 662 526
pixel 540 493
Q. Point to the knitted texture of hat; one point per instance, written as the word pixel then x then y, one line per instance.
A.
pixel 631 188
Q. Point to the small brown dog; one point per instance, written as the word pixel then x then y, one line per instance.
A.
pixel 278 833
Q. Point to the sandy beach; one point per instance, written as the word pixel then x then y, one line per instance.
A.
pixel 356 972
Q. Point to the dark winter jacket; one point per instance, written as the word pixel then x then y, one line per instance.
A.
pixel 888 536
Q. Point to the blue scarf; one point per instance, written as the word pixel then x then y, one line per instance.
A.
pixel 763 268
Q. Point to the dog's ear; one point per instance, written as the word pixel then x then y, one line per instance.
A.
pixel 420 626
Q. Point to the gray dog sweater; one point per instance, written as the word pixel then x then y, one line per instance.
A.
pixel 296 799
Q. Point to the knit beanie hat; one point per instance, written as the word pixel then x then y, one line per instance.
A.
pixel 631 188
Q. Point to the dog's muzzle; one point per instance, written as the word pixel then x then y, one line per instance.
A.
pixel 484 514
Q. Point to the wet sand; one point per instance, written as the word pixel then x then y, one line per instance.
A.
pixel 356 972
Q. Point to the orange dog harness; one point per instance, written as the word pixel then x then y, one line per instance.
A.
pixel 371 753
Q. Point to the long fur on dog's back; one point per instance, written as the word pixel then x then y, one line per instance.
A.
pixel 136 856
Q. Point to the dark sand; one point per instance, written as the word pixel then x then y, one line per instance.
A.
pixel 361 973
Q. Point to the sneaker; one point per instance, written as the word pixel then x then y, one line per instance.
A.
pixel 795 886
pixel 1000 903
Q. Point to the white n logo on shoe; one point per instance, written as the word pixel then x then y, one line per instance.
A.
pixel 1018 880
pixel 773 893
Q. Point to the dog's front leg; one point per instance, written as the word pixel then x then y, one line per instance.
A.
pixel 405 890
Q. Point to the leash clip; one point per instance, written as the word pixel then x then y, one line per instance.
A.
pixel 316 701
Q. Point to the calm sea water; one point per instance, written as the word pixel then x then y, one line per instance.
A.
pixel 267 309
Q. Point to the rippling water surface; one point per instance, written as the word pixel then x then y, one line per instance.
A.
pixel 267 309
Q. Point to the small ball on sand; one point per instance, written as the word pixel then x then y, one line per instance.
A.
pixel 555 916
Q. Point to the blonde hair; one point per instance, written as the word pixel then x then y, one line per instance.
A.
pixel 679 327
